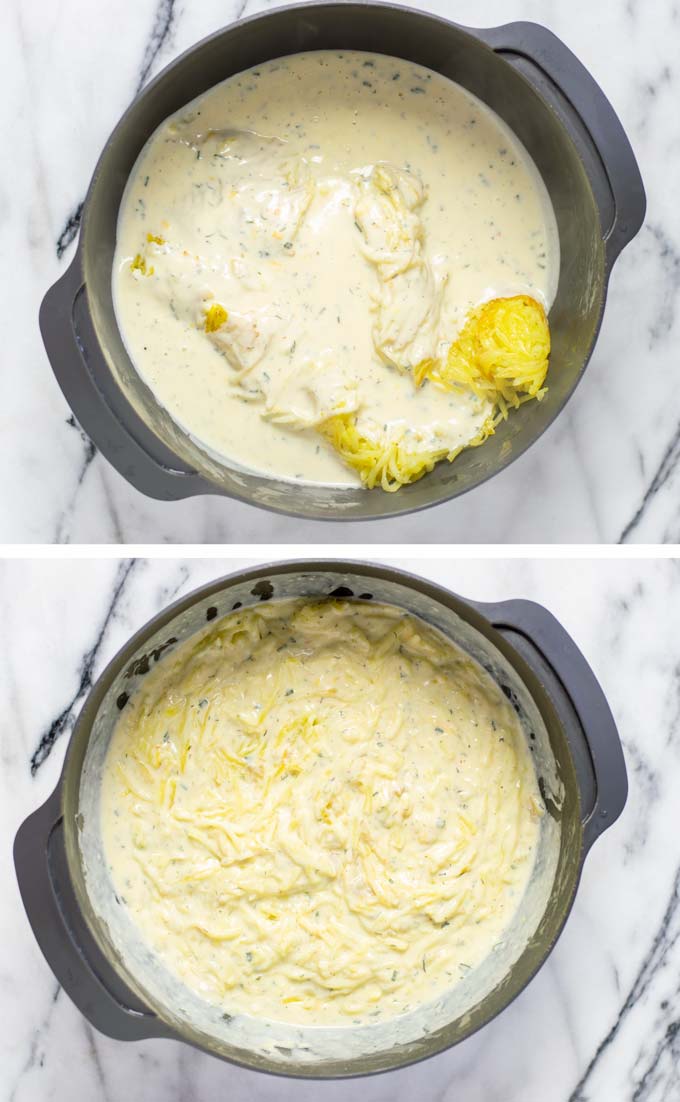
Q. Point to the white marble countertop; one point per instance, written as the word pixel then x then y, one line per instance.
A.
pixel 600 1021
pixel 607 469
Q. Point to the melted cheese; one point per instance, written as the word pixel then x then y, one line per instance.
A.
pixel 308 237
pixel 319 812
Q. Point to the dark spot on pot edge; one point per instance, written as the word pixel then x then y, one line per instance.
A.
pixel 341 591
pixel 550 805
pixel 512 697
pixel 142 665
pixel 211 613
pixel 122 701
pixel 263 589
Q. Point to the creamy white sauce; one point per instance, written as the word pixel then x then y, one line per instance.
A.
pixel 320 812
pixel 347 210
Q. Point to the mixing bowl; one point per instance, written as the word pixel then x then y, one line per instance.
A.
pixel 97 954
pixel 524 73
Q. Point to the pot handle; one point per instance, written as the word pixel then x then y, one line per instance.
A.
pixel 97 400
pixel 560 653
pixel 556 61
pixel 63 937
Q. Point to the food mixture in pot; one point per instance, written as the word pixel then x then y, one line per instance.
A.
pixel 319 812
pixel 335 268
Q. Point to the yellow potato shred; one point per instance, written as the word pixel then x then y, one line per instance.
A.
pixel 389 463
pixel 139 265
pixel 215 317
pixel 500 354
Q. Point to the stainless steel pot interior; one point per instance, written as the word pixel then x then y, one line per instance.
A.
pixel 325 1052
pixel 545 123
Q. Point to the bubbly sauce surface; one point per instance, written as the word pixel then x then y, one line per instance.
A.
pixel 287 195
pixel 319 812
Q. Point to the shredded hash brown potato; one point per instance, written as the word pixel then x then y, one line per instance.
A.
pixel 386 461
pixel 501 355
pixel 318 811
pixel 215 317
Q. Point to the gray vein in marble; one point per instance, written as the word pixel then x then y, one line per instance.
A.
pixel 41 1029
pixel 660 326
pixel 40 212
pixel 669 285
pixel 579 458
pixel 162 27
pixel 665 939
pixel 672 737
pixel 168 595
pixel 160 32
pixel 90 451
pixel 118 535
pixel 567 1012
pixel 64 721
pixel 668 1047
pixel 70 230
pixel 646 780
pixel 91 1039
pixel 668 464
pixel 619 610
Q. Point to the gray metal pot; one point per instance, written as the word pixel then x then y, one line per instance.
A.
pixel 520 70
pixel 108 973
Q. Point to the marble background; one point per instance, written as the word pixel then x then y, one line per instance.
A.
pixel 600 1021
pixel 608 469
